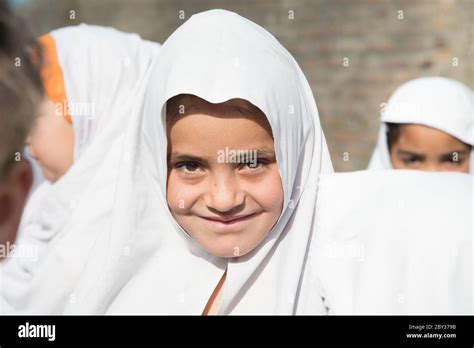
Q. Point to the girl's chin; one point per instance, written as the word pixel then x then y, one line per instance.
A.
pixel 51 177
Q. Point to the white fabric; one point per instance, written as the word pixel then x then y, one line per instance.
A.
pixel 102 68
pixel 437 102
pixel 216 55
pixel 103 71
pixel 395 242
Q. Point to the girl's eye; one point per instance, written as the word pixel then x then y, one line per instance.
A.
pixel 411 160
pixel 454 161
pixel 254 165
pixel 191 167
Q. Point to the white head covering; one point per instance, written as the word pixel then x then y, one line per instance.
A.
pixel 436 102
pixel 216 55
pixel 103 70
pixel 394 242
pixel 103 67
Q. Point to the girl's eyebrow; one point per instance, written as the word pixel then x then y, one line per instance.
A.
pixel 178 157
pixel 459 152
pixel 409 153
pixel 183 157
pixel 265 152
pixel 449 155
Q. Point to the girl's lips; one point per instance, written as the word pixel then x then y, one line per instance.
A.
pixel 227 224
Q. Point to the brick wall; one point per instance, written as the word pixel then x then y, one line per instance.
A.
pixel 386 42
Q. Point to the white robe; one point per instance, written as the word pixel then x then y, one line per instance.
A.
pixel 395 242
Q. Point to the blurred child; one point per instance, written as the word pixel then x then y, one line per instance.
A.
pixel 428 124
pixel 91 76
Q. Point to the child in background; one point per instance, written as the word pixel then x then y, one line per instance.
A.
pixel 428 124
pixel 91 75
pixel 89 72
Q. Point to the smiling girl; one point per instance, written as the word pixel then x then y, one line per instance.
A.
pixel 227 207
pixel 229 237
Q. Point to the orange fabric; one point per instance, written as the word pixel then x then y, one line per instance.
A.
pixel 52 75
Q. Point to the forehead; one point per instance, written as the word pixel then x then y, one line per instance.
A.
pixel 424 138
pixel 193 113
pixel 201 131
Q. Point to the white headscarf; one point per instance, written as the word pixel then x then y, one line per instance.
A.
pixel 103 70
pixel 436 102
pixel 215 55
pixel 394 242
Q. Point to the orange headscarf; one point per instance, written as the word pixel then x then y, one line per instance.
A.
pixel 52 74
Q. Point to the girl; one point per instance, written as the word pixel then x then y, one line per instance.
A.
pixel 91 75
pixel 427 125
pixel 232 231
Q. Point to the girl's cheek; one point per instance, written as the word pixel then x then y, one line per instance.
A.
pixel 462 168
pixel 172 194
pixel 179 195
pixel 269 196
pixel 44 140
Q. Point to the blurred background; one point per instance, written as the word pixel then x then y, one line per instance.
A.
pixel 354 53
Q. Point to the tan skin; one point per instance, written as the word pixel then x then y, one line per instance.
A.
pixel 228 208
pixel 214 301
pixel 51 142
pixel 429 149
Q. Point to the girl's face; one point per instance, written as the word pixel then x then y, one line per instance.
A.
pixel 51 142
pixel 425 148
pixel 225 201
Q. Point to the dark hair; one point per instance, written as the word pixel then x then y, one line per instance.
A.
pixel 393 134
pixel 21 87
pixel 190 101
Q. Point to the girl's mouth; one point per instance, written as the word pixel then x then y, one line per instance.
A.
pixel 227 224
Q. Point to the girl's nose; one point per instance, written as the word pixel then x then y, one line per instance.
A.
pixel 431 167
pixel 224 194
